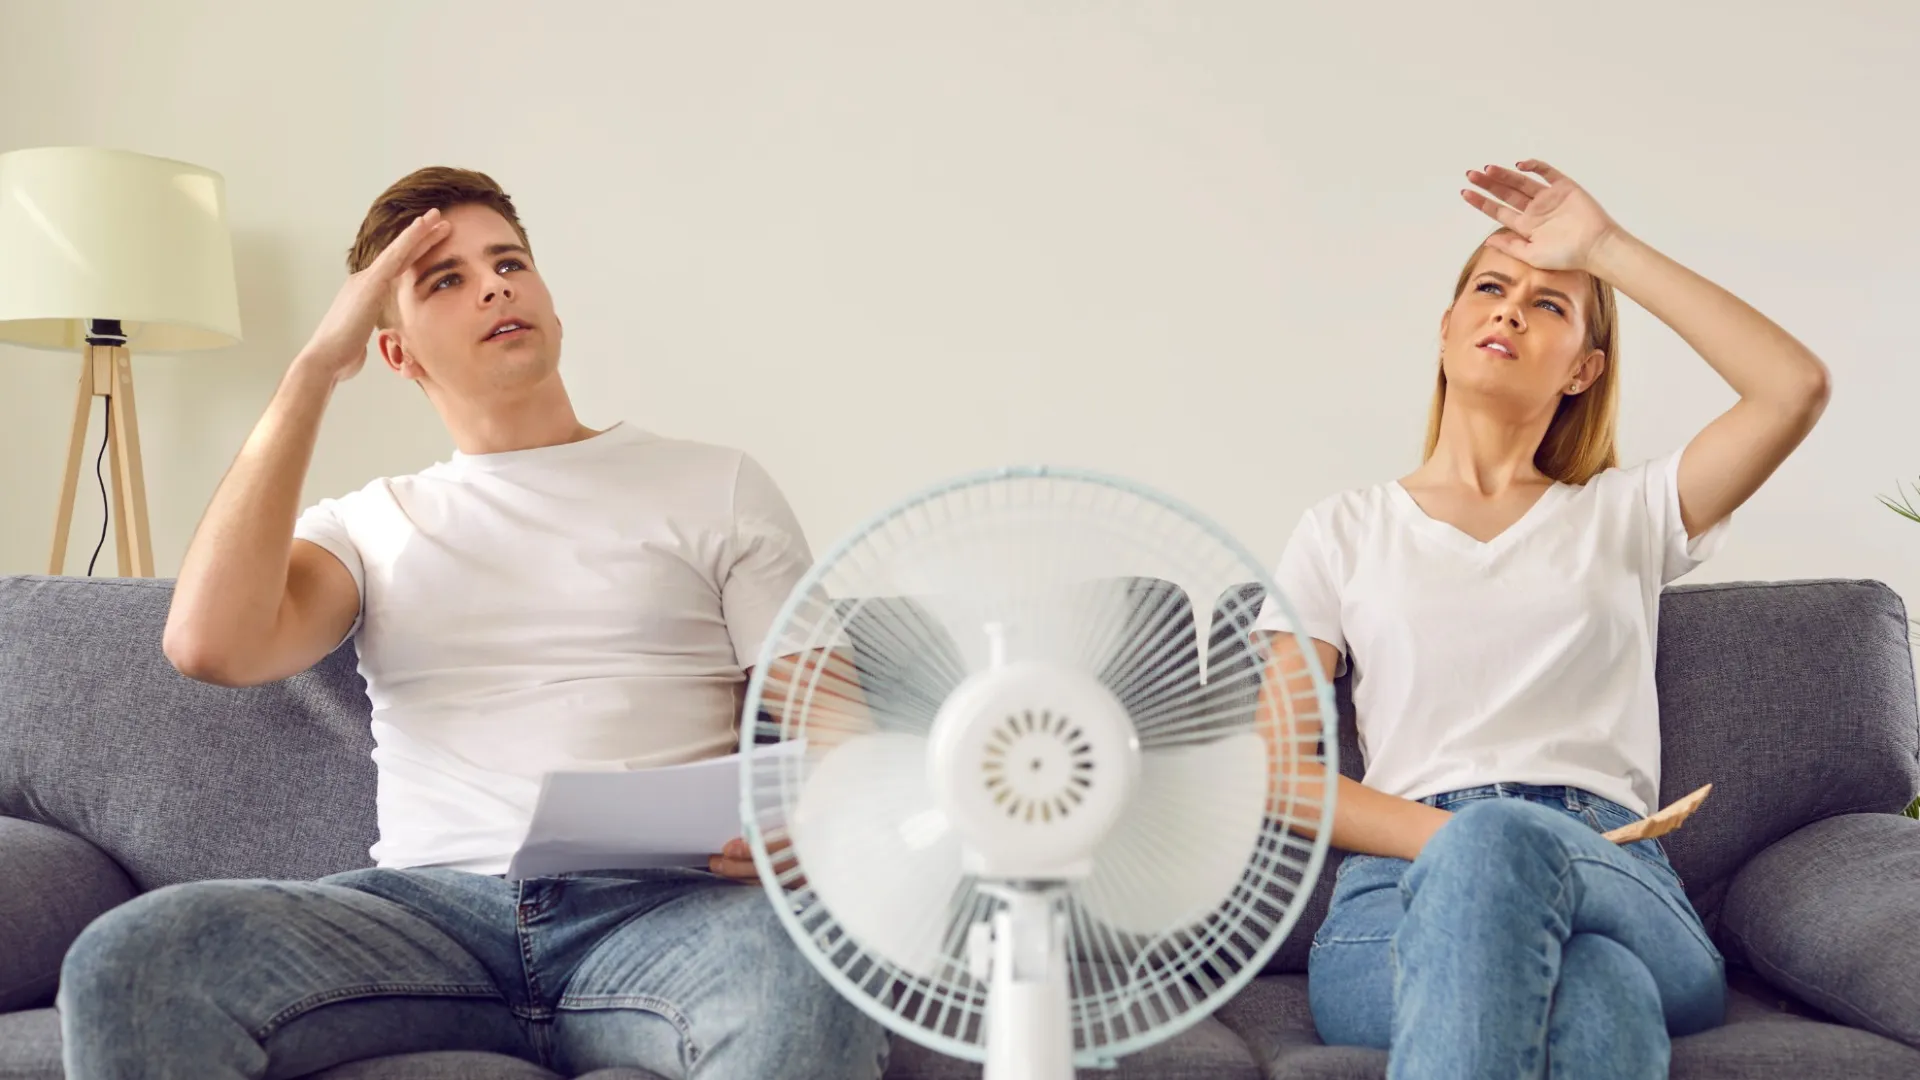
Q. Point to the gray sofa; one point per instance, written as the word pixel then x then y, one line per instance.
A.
pixel 1795 699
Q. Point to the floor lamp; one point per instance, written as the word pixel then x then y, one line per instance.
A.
pixel 108 253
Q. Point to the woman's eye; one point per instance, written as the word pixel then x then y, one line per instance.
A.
pixel 1553 307
pixel 1486 285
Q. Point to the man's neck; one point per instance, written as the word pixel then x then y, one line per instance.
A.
pixel 542 418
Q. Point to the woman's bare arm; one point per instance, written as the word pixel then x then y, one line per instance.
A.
pixel 1364 820
pixel 1555 224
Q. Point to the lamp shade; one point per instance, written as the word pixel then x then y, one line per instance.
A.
pixel 89 233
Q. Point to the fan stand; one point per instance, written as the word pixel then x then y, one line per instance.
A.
pixel 1022 958
pixel 107 371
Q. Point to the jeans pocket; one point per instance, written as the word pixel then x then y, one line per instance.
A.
pixel 1606 816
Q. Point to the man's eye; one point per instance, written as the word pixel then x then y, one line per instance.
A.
pixel 507 264
pixel 450 278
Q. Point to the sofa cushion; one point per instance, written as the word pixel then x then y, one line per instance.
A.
pixel 1761 1042
pixel 30 1045
pixel 449 1065
pixel 174 779
pixel 30 1050
pixel 1205 1051
pixel 1757 1042
pixel 1831 914
pixel 55 884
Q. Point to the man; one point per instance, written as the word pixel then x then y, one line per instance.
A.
pixel 551 597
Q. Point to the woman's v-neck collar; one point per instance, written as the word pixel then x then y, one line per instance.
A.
pixel 1456 537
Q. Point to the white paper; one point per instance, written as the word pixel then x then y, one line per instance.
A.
pixel 676 815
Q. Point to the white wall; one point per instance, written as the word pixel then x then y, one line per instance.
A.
pixel 1201 245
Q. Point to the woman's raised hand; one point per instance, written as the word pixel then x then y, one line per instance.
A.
pixel 1555 224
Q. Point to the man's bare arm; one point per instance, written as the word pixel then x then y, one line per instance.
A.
pixel 826 681
pixel 252 604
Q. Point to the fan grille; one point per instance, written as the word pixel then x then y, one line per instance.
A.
pixel 1098 574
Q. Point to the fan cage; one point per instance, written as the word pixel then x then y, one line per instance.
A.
pixel 1128 991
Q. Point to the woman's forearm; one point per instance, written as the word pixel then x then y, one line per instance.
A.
pixel 1758 359
pixel 1366 821
pixel 1376 823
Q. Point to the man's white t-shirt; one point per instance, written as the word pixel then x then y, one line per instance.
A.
pixel 1525 659
pixel 591 605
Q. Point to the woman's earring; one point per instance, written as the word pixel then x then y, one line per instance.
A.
pixel 1574 389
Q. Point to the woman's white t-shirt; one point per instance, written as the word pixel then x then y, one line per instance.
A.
pixel 1528 658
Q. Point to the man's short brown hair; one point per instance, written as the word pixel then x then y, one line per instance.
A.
pixel 433 188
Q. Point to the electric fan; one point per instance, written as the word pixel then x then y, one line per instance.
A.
pixel 1031 823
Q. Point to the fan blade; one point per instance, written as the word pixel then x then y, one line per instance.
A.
pixel 875 850
pixel 1185 838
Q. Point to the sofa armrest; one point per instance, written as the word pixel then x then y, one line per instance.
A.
pixel 52 884
pixel 1829 914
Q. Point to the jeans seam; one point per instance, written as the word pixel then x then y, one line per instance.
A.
pixel 1563 910
pixel 658 1006
pixel 1688 916
pixel 337 995
pixel 523 930
pixel 1343 939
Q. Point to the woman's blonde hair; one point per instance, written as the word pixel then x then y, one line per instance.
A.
pixel 1579 443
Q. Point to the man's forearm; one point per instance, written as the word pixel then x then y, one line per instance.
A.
pixel 235 571
pixel 828 683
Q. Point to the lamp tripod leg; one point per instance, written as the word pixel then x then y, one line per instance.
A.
pixel 133 535
pixel 70 479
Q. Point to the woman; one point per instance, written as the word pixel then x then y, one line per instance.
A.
pixel 1498 608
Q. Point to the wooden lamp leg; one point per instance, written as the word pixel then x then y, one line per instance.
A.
pixel 70 480
pixel 116 503
pixel 135 537
pixel 108 372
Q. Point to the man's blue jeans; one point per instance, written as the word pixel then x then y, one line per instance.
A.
pixel 1521 943
pixel 676 971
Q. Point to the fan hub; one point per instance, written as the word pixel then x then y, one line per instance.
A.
pixel 1032 764
pixel 1037 765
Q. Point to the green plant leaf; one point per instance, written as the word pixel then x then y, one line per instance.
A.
pixel 1913 810
pixel 1901 504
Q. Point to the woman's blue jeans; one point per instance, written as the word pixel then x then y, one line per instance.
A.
pixel 1521 943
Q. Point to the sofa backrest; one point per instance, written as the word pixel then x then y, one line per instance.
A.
pixel 175 779
pixel 181 781
pixel 1794 699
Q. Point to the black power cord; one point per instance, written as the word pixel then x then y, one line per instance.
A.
pixel 106 434
pixel 103 332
